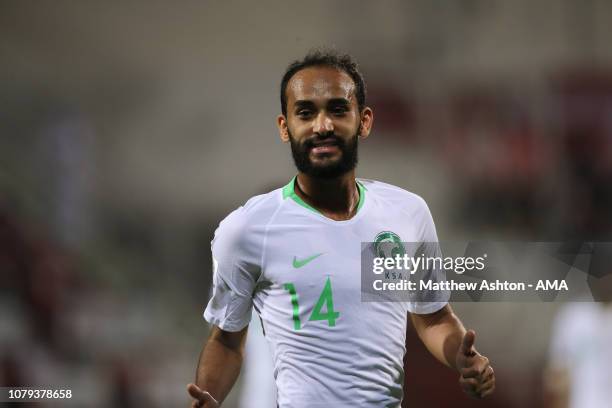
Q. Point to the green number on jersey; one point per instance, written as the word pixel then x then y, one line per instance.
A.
pixel 326 299
pixel 296 307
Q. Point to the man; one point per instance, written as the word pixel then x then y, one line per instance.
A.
pixel 294 255
pixel 579 372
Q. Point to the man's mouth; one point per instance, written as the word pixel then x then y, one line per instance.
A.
pixel 324 146
pixel 324 142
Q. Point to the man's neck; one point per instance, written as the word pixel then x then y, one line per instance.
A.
pixel 336 198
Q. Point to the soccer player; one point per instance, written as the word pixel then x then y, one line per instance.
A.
pixel 293 255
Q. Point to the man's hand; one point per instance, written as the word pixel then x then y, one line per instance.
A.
pixel 202 398
pixel 477 377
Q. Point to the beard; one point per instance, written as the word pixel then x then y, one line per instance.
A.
pixel 347 162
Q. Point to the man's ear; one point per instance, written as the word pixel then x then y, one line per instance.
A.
pixel 367 119
pixel 281 122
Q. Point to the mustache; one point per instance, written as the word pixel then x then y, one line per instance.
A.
pixel 327 137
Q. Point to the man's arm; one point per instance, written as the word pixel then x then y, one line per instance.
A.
pixel 557 387
pixel 218 368
pixel 445 337
pixel 442 333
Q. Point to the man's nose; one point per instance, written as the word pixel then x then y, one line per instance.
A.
pixel 323 124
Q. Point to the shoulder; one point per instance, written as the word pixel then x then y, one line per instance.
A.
pixel 394 195
pixel 245 226
pixel 576 316
pixel 408 207
pixel 257 210
pixel 571 325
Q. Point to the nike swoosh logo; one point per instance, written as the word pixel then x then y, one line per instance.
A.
pixel 298 263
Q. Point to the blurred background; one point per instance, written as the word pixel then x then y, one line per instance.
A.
pixel 128 130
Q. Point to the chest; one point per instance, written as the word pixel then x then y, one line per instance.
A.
pixel 310 256
pixel 312 278
pixel 306 258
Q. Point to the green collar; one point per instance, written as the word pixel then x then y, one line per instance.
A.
pixel 289 192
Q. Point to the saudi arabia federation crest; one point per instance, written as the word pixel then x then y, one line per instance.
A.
pixel 388 244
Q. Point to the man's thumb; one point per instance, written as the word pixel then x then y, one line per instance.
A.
pixel 468 343
pixel 197 393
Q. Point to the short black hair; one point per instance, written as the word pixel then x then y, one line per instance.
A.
pixel 325 58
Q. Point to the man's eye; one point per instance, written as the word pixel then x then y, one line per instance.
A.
pixel 340 110
pixel 304 113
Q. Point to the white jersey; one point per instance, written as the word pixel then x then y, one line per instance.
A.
pixel 300 271
pixel 580 344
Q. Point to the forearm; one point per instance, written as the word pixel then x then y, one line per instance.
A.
pixel 220 363
pixel 557 386
pixel 442 333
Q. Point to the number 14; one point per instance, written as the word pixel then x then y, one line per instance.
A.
pixel 326 298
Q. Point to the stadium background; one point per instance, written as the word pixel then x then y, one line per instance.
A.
pixel 128 130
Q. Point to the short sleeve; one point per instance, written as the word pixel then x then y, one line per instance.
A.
pixel 235 253
pixel 433 300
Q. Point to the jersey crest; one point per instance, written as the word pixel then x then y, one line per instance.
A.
pixel 387 244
